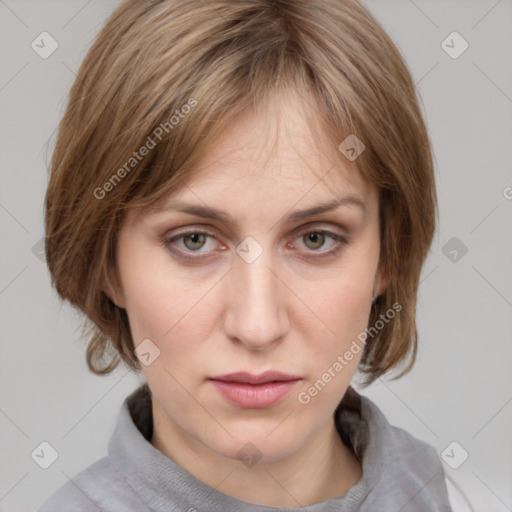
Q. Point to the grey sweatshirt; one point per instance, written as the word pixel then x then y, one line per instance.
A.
pixel 400 473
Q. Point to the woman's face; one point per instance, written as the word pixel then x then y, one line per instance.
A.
pixel 238 274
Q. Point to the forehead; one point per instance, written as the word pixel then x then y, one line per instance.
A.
pixel 281 150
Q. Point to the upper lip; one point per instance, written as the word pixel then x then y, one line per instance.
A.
pixel 262 378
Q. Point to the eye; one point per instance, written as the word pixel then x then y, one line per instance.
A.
pixel 314 240
pixel 196 245
pixel 197 241
pixel 191 241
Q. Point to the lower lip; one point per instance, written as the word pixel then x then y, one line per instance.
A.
pixel 254 396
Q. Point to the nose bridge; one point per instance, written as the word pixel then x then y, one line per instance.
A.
pixel 255 317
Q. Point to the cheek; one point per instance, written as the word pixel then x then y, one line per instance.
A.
pixel 155 295
pixel 176 312
pixel 340 300
pixel 147 305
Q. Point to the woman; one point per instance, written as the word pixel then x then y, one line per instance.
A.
pixel 241 201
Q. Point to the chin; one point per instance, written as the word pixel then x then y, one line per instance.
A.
pixel 255 445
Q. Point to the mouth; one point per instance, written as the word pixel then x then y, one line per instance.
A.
pixel 254 391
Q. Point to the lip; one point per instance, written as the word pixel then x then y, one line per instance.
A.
pixel 255 391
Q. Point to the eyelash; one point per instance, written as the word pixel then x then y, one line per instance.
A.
pixel 340 244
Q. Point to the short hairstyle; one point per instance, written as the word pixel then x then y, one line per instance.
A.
pixel 159 83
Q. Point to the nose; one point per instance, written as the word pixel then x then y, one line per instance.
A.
pixel 255 316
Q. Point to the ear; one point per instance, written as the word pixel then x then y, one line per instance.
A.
pixel 382 280
pixel 113 288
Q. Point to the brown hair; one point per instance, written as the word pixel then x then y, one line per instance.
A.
pixel 167 75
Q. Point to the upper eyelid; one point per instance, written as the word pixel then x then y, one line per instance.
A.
pixel 310 227
pixel 210 232
pixel 297 233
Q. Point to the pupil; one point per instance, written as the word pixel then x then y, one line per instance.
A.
pixel 194 239
pixel 316 238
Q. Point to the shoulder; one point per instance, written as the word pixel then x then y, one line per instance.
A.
pixel 412 450
pixel 97 488
pixel 397 444
pixel 409 474
pixel 365 427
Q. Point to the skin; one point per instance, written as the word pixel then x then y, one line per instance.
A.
pixel 281 312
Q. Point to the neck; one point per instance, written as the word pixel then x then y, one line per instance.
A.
pixel 322 468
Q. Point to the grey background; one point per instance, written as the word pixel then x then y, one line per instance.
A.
pixel 461 387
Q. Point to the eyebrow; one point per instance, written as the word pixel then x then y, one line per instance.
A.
pixel 296 216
